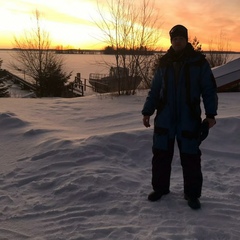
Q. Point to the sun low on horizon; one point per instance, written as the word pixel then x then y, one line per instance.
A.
pixel 72 23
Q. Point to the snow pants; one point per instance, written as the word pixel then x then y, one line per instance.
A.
pixel 191 167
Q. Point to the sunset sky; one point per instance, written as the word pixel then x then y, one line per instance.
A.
pixel 71 22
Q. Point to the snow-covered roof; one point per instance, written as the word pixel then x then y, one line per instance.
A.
pixel 227 73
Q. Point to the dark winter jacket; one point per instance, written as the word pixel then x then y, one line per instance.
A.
pixel 180 82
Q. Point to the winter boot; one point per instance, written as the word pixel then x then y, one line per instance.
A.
pixel 156 195
pixel 193 203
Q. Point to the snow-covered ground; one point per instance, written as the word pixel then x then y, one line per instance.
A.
pixel 80 169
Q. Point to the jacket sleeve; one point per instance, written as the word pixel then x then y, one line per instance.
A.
pixel 152 99
pixel 209 91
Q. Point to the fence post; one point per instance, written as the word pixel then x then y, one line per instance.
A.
pixel 85 84
pixel 79 77
pixel 79 83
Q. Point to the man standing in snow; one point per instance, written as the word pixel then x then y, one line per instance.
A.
pixel 181 79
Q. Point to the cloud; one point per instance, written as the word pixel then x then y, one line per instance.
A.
pixel 204 19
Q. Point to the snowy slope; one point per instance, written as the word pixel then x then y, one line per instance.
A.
pixel 80 169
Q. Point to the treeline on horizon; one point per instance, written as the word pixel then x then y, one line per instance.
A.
pixel 112 51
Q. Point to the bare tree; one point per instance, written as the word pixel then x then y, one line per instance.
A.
pixel 196 44
pixel 218 53
pixel 37 60
pixel 132 30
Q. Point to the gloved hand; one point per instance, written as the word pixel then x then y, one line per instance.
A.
pixel 211 121
pixel 146 121
pixel 204 130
